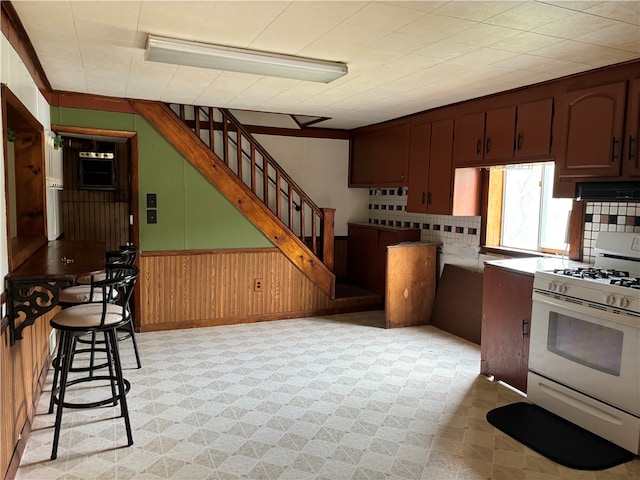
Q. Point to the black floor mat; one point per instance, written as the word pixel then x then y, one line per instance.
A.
pixel 556 438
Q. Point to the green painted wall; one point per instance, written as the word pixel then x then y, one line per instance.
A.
pixel 192 214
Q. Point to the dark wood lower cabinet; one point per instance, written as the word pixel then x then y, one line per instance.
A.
pixel 367 253
pixel 506 322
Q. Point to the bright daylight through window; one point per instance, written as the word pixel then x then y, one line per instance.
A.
pixel 524 210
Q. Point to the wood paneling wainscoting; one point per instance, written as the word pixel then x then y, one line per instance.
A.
pixel 24 369
pixel 186 289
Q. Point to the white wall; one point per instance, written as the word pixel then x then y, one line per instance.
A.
pixel 321 167
pixel 15 75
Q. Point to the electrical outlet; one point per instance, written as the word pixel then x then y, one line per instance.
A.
pixel 152 200
pixel 257 284
pixel 152 216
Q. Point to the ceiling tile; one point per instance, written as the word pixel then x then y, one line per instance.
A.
pixel 529 15
pixel 575 25
pixel 433 27
pixel 477 11
pixel 624 11
pixel 619 36
pixel 159 18
pixel 526 42
pixel 384 16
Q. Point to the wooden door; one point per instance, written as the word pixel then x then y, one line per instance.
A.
pixel 533 129
pixel 469 146
pixel 631 157
pixel 499 134
pixel 506 321
pixel 594 124
pixel 419 152
pixel 440 197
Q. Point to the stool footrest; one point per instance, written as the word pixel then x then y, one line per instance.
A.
pixel 97 403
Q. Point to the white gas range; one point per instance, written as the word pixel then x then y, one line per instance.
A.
pixel 584 357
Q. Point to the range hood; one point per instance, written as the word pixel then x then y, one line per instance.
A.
pixel 608 191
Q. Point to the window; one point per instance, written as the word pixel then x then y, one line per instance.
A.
pixel 522 212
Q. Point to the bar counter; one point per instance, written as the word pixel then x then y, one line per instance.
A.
pixel 34 287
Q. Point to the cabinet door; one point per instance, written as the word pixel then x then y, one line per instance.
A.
pixel 362 249
pixel 506 317
pixel 380 157
pixel 440 197
pixel 631 160
pixel 469 146
pixel 419 168
pixel 594 125
pixel 533 129
pixel 499 134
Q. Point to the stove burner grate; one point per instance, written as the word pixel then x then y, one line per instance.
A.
pixel 591 272
pixel 627 282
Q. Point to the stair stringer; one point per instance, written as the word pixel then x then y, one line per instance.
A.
pixel 232 187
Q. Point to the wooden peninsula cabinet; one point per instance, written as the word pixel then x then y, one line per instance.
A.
pixel 506 321
pixel 367 252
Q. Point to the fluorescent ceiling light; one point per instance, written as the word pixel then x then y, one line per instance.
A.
pixel 218 57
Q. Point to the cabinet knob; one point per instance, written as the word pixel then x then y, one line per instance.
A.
pixel 488 145
pixel 478 147
pixel 519 144
pixel 525 322
pixel 631 142
pixel 613 149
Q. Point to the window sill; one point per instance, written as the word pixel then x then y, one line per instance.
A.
pixel 514 252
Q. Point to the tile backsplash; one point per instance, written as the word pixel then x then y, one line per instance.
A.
pixel 607 217
pixel 462 234
pixel 389 207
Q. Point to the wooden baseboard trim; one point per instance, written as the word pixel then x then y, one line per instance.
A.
pixel 159 327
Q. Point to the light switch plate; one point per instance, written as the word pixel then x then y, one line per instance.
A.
pixel 152 216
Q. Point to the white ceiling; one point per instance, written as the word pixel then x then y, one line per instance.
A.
pixel 403 57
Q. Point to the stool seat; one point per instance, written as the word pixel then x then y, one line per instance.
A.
pixel 96 277
pixel 89 316
pixel 83 294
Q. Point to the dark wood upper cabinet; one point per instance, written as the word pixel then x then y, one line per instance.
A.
pixel 469 140
pixel 380 156
pixel 631 151
pixel 512 134
pixel 430 168
pixel 440 198
pixel 593 127
pixel 419 154
pixel 533 129
pixel 499 134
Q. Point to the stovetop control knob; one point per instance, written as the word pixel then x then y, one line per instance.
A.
pixel 552 286
pixel 609 299
pixel 562 288
pixel 623 302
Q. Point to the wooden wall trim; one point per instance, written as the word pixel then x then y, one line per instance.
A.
pixel 93 131
pixel 90 102
pixel 576 230
pixel 18 38
pixel 330 133
pixel 221 251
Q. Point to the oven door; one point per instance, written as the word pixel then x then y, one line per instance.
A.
pixel 592 351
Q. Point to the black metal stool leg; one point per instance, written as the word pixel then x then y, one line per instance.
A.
pixel 67 346
pixel 122 394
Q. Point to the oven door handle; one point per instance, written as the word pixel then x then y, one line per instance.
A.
pixel 629 320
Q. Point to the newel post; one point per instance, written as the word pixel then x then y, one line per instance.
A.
pixel 328 230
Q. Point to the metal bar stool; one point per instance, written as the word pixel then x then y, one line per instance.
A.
pixel 82 292
pixel 91 318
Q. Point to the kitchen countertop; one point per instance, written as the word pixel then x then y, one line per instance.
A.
pixel 529 266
